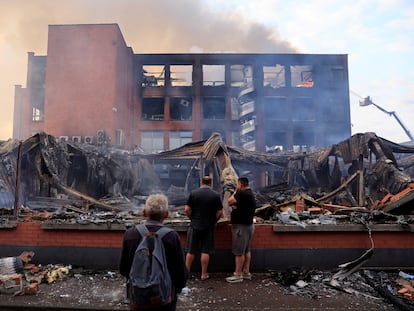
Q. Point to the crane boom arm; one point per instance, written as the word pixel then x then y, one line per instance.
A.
pixel 367 101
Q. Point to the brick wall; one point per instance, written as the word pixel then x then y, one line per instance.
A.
pixel 31 233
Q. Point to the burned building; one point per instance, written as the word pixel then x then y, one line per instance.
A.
pixel 91 87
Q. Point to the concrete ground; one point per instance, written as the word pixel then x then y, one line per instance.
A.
pixel 106 291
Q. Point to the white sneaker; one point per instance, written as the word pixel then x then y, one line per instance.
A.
pixel 247 276
pixel 234 279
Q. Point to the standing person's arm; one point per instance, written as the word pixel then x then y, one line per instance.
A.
pixel 187 210
pixel 232 201
pixel 219 213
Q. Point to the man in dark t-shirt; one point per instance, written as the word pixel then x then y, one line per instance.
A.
pixel 243 206
pixel 204 207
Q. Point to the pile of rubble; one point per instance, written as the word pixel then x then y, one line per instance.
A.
pixel 396 287
pixel 20 277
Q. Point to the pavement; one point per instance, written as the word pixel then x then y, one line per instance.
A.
pixel 106 291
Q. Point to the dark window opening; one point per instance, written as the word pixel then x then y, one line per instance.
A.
pixel 275 141
pixel 276 108
pixel 302 140
pixel 181 108
pixel 153 109
pixel 214 108
pixel 303 109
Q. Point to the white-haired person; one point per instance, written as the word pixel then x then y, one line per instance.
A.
pixel 156 211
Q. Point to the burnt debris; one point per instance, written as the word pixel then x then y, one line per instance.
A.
pixel 359 175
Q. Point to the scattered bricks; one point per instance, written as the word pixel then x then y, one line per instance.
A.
pixel 11 284
pixel 300 205
pixel 31 289
pixel 32 268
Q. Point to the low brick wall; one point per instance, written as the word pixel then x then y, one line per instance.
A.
pixel 273 246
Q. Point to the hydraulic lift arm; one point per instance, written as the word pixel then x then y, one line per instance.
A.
pixel 367 101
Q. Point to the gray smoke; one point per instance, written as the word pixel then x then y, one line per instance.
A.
pixel 156 26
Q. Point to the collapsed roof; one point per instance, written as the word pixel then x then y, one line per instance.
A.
pixel 365 171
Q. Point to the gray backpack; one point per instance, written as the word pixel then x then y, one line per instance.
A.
pixel 150 281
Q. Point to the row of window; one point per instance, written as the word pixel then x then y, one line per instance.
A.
pixel 214 108
pixel 276 76
pixel 153 141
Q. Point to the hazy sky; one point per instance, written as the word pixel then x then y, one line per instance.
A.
pixel 377 36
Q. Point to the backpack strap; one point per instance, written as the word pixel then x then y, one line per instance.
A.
pixel 161 232
pixel 142 229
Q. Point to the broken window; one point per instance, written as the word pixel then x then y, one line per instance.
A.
pixel 275 141
pixel 303 109
pixel 152 141
pixel 37 114
pixel 274 76
pixel 181 108
pixel 214 108
pixel 213 75
pixel 301 140
pixel 276 108
pixel 241 75
pixel 300 148
pixel 301 76
pixel 179 138
pixel 152 108
pixel 153 75
pixel 181 75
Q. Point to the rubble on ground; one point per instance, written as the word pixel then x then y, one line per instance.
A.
pixel 375 285
pixel 20 277
pixel 394 287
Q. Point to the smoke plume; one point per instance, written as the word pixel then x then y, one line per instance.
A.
pixel 157 26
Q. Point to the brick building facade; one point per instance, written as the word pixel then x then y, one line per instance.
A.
pixel 91 87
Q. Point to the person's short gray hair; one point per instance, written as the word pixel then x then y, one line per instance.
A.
pixel 156 206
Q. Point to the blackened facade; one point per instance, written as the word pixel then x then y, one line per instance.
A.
pixel 91 87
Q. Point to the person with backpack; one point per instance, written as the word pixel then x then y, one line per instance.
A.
pixel 204 208
pixel 152 260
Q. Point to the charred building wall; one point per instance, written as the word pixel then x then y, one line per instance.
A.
pixel 92 87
